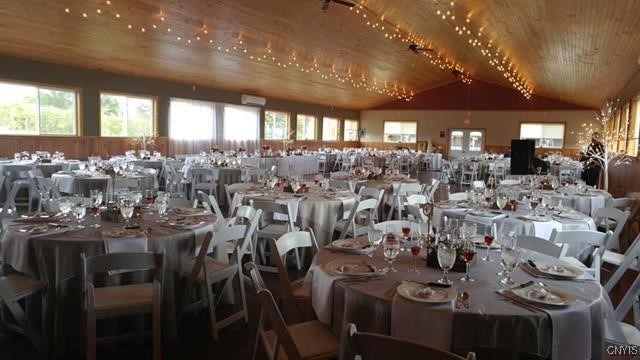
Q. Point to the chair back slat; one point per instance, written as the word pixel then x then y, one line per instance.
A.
pixel 122 261
pixel 540 245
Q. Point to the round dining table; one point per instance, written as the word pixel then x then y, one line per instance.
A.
pixel 316 209
pixel 486 320
pixel 81 182
pixel 59 264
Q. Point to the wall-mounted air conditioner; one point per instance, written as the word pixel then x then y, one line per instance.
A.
pixel 253 100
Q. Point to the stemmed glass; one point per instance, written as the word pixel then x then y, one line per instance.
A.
pixel 64 203
pixel 96 201
pixel 488 240
pixel 415 247
pixel 116 168
pixel 501 201
pixel 126 209
pixel 161 206
pixel 79 211
pixel 391 249
pixel 446 259
pixel 406 234
pixel 510 257
pixel 375 237
pixel 468 253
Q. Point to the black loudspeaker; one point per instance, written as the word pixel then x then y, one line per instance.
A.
pixel 522 152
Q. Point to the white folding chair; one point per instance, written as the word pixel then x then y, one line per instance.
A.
pixel 210 203
pixel 611 219
pixel 395 202
pixel 361 209
pixel 208 271
pixel 272 228
pixel 630 301
pixel 122 300
pixel 9 206
pixel 302 341
pixel 299 291
pixel 541 245
pixel 416 212
pixel 623 204
pixel 371 346
pixel 469 173
pixel 583 245
pixel 230 190
pixel 430 190
pixel 372 193
pixel 203 179
pixel 623 262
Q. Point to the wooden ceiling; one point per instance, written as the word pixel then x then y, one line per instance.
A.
pixel 579 51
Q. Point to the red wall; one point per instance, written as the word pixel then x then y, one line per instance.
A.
pixel 479 95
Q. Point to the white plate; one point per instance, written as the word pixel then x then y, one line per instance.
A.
pixel 350 244
pixel 558 269
pixel 187 211
pixel 534 218
pixel 349 268
pixel 417 292
pixel 553 297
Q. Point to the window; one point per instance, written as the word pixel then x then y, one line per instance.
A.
pixel 191 119
pixel 35 110
pixel 126 115
pixel 475 141
pixel 276 125
pixel 455 141
pixel 241 123
pixel 634 128
pixel 400 131
pixel 305 127
pixel 330 128
pixel 351 130
pixel 546 135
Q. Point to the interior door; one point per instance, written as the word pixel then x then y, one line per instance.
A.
pixel 465 142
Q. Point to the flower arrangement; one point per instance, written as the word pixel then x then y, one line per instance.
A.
pixel 143 141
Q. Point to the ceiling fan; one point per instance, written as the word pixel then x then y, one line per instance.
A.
pixel 325 3
pixel 418 49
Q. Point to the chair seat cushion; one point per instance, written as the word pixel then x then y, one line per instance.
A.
pixel 123 296
pixel 313 339
pixel 20 286
pixel 275 230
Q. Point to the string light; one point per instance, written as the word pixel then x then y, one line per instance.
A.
pixel 488 50
pixel 239 48
pixel 381 25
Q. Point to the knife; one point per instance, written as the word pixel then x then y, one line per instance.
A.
pixel 522 286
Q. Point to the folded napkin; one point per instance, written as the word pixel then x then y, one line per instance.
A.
pixel 407 316
pixel 570 329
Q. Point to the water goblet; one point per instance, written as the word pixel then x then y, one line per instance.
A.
pixel 510 257
pixel 501 201
pixel 468 254
pixel 375 237
pixel 446 258
pixel 96 201
pixel 79 211
pixel 161 206
pixel 415 247
pixel 126 209
pixel 391 249
pixel 64 203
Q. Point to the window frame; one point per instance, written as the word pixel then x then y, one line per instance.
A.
pixel 48 86
pixel 357 121
pixel 154 110
pixel 315 127
pixel 564 131
pixel 337 129
pixel 398 121
pixel 287 127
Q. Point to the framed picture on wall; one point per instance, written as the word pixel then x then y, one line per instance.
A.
pixel 422 145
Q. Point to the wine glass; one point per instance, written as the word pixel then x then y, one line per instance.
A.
pixel 81 165
pixel 116 168
pixel 468 253
pixel 148 196
pixel 79 211
pixel 161 206
pixel 126 209
pixel 391 249
pixel 501 201
pixel 64 203
pixel 375 237
pixel 446 259
pixel 415 247
pixel 489 236
pixel 510 257
pixel 96 201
